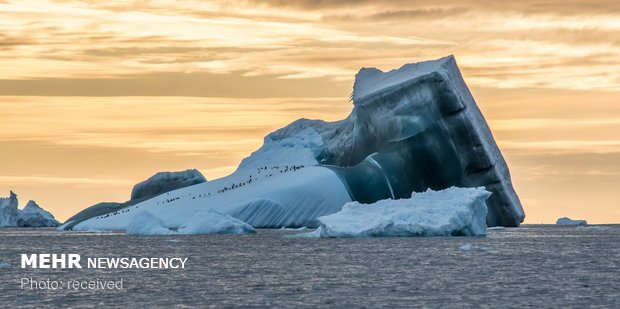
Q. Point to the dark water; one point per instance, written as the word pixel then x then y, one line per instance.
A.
pixel 532 266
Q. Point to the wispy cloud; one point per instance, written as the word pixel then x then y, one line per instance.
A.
pixel 572 46
pixel 16 180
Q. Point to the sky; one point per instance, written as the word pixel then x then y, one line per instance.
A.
pixel 96 96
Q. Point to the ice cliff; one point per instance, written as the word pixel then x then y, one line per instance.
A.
pixel 411 129
pixel 31 216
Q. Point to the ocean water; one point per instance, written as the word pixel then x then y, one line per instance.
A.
pixel 531 266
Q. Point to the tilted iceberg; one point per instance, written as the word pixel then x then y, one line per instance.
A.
pixel 411 129
pixel 450 212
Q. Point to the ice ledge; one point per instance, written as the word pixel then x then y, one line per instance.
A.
pixel 372 80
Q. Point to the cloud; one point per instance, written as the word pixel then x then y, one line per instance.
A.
pixel 563 146
pixel 15 180
pixel 55 46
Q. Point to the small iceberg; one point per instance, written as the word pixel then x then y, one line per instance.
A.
pixel 470 247
pixel 569 221
pixel 450 212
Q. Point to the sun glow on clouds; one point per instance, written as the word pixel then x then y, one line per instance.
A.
pixel 47 39
pixel 96 95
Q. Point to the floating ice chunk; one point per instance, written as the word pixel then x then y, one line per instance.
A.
pixel 465 247
pixel 5 265
pixel 569 221
pixel 450 212
pixel 303 228
pixel 470 247
pixel 212 222
pixel 144 223
pixel 496 228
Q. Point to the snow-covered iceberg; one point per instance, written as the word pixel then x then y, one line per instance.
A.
pixel 410 129
pixel 31 216
pixel 155 185
pixel 450 212
pixel 569 221
pixel 204 222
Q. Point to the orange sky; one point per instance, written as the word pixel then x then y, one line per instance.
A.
pixel 96 97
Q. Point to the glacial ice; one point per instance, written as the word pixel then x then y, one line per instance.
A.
pixel 145 223
pixel 211 222
pixel 450 212
pixel 157 184
pixel 9 213
pixel 569 221
pixel 35 216
pixel 163 182
pixel 294 197
pixel 31 216
pixel 411 129
pixel 204 222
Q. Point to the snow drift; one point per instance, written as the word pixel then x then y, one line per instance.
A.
pixel 449 212
pixel 411 129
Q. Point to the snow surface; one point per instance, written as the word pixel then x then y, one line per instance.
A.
pixel 450 212
pixel 276 196
pixel 203 222
pixel 569 221
pixel 370 80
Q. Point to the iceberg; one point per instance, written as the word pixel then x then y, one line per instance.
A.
pixel 450 212
pixel 411 129
pixel 9 213
pixel 163 182
pixel 32 215
pixel 569 221
pixel 155 185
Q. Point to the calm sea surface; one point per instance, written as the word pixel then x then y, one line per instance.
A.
pixel 532 266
